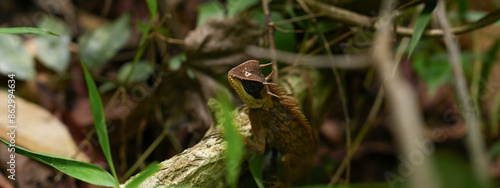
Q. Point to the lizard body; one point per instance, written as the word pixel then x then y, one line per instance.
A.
pixel 274 115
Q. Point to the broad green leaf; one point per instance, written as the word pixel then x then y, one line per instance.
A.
pixel 255 164
pixel 420 26
pixel 80 170
pixel 283 40
pixel 99 119
pixel 14 58
pixel 236 6
pixel 149 171
pixel 176 61
pixel 143 69
pixel 233 139
pixel 207 10
pixel 53 51
pixel 153 7
pixel 101 44
pixel 433 73
pixel 27 30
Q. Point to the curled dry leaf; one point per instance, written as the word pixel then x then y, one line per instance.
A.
pixel 38 130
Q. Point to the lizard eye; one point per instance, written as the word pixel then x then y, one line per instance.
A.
pixel 253 88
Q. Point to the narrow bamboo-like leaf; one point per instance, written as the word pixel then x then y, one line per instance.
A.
pixel 99 119
pixel 420 25
pixel 153 7
pixel 234 152
pixel 495 116
pixel 255 164
pixel 27 30
pixel 488 61
pixel 150 170
pixel 80 170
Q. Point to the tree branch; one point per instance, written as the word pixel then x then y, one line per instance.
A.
pixel 353 18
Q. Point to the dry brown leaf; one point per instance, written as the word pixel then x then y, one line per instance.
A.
pixel 38 130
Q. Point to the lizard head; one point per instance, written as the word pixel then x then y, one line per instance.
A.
pixel 250 84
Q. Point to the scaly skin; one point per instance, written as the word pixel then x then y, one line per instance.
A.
pixel 274 115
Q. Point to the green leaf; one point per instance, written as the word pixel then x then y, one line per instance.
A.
pixel 283 40
pixel 27 30
pixel 153 7
pixel 233 139
pixel 80 170
pixel 141 71
pixel 101 44
pixel 53 52
pixel 433 72
pixel 495 115
pixel 149 171
pixel 14 58
pixel 143 27
pixel 176 61
pixel 462 9
pixel 207 10
pixel 255 164
pixel 99 120
pixel 454 171
pixel 236 6
pixel 352 185
pixel 488 61
pixel 106 86
pixel 420 26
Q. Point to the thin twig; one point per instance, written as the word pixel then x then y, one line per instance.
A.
pixel 299 18
pixel 270 35
pixel 346 61
pixel 407 124
pixel 474 138
pixel 353 18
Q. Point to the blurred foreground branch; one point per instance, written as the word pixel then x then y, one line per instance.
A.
pixel 407 123
pixel 474 138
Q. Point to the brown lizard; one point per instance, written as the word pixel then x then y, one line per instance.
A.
pixel 274 115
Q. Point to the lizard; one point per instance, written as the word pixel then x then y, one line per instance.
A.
pixel 275 116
